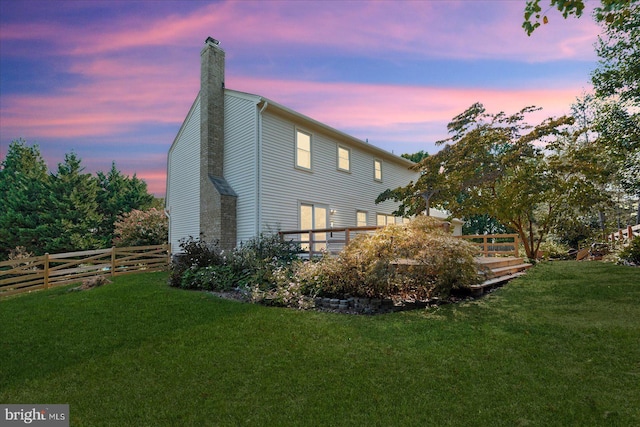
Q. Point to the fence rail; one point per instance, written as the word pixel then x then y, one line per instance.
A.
pixel 49 270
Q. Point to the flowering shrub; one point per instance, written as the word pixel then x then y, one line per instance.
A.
pixel 416 261
pixel 141 228
pixel 286 291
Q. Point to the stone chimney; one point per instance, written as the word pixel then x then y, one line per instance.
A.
pixel 217 198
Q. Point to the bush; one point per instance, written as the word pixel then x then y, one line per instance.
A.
pixel 554 250
pixel 631 254
pixel 416 261
pixel 195 254
pixel 254 262
pixel 141 228
pixel 210 278
pixel 286 291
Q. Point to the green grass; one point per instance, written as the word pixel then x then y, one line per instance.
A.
pixel 557 347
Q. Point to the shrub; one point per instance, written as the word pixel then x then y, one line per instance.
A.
pixel 554 250
pixel 285 292
pixel 204 266
pixel 141 228
pixel 631 254
pixel 416 261
pixel 195 254
pixel 254 262
pixel 210 278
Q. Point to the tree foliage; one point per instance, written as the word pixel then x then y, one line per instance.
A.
pixel 611 11
pixel 618 72
pixel 24 182
pixel 66 210
pixel 497 165
pixel 72 216
pixel 119 194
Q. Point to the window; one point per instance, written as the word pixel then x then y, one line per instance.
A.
pixel 344 159
pixel 377 170
pixel 313 217
pixel 303 150
pixel 361 219
pixel 384 219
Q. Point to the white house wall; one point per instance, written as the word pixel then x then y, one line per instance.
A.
pixel 183 180
pixel 285 187
pixel 240 160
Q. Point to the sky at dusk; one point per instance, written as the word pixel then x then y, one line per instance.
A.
pixel 113 80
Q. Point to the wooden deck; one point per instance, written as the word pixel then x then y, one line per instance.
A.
pixel 497 271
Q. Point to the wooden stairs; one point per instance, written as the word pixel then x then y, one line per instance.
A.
pixel 497 271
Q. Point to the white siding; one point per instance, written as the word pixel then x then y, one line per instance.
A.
pixel 183 180
pixel 240 160
pixel 284 186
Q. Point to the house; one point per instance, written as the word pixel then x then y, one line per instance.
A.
pixel 242 164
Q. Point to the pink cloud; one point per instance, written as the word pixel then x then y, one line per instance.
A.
pixel 419 29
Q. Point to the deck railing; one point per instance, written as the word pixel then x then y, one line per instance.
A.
pixel 495 244
pixel 49 270
pixel 316 242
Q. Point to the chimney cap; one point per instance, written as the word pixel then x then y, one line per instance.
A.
pixel 211 41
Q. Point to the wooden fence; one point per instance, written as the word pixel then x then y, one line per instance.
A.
pixel 49 270
pixel 623 236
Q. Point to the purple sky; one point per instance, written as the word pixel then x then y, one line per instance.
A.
pixel 113 80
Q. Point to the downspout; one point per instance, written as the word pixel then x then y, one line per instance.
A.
pixel 259 171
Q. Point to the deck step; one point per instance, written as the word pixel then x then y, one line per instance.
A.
pixel 478 290
pixel 498 271
pixel 506 271
pixel 497 262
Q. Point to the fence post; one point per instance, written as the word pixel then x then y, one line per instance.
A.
pixel 46 270
pixel 113 261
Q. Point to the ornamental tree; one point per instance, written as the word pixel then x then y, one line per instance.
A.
pixel 498 165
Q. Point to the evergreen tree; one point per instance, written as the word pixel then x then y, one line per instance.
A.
pixel 119 194
pixel 23 190
pixel 72 218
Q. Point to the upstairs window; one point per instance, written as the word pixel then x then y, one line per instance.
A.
pixel 377 170
pixel 344 159
pixel 384 219
pixel 303 150
pixel 361 219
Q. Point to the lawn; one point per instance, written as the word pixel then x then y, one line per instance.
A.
pixel 557 347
